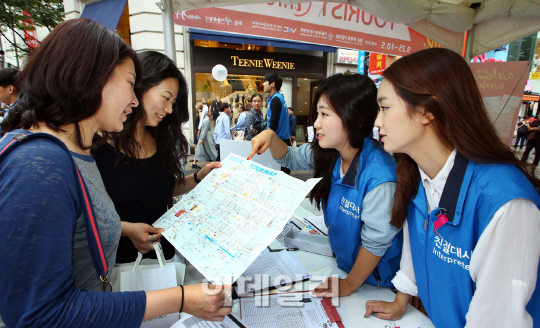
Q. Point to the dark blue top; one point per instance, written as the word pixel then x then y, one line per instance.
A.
pixel 40 205
pixel 292 125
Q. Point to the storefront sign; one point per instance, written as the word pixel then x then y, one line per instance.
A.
pixel 332 24
pixel 256 62
pixel 345 56
pixel 529 86
pixel 501 85
pixel 262 63
pixel 377 63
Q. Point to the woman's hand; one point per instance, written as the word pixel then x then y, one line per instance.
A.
pixel 201 141
pixel 261 142
pixel 385 310
pixel 207 169
pixel 140 235
pixel 206 301
pixel 333 287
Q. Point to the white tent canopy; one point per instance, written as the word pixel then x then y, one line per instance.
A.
pixel 492 24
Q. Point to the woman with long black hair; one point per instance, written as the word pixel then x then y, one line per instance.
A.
pixel 81 79
pixel 469 208
pixel 141 166
pixel 358 181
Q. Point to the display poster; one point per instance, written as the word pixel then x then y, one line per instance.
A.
pixel 501 85
pixel 325 23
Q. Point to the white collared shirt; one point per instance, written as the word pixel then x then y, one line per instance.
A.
pixel 504 263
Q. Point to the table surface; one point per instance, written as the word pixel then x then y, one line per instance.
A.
pixel 351 308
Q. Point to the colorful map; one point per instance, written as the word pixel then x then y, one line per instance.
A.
pixel 224 223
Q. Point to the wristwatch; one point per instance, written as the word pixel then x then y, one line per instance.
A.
pixel 197 180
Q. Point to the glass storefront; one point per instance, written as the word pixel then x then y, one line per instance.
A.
pixel 301 72
pixel 236 89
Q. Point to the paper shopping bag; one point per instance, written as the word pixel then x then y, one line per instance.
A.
pixel 147 278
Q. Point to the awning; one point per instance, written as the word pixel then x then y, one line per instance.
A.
pixel 492 23
pixel 198 34
pixel 531 98
pixel 105 12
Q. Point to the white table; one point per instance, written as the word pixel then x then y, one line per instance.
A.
pixel 351 308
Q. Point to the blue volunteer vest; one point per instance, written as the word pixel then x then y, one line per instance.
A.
pixel 343 213
pixel 283 127
pixel 441 260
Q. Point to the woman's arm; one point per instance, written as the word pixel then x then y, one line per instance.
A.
pixel 388 310
pixel 377 235
pixel 504 266
pixel 38 221
pixel 363 266
pixel 140 235
pixel 201 300
pixel 268 139
pixel 405 283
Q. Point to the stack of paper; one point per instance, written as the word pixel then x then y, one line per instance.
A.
pixel 271 270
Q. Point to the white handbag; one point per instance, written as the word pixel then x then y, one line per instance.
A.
pixel 238 135
pixel 150 275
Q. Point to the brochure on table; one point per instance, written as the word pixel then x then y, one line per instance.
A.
pixel 271 270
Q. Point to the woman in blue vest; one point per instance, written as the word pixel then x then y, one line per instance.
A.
pixel 468 207
pixel 358 181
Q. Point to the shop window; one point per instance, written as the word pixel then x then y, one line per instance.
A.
pixel 305 92
pixel 236 89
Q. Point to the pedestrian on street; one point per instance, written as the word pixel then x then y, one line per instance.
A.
pixel 222 130
pixel 206 151
pixel 277 112
pixel 522 132
pixel 533 142
pixel 292 125
pixel 254 118
pixel 238 129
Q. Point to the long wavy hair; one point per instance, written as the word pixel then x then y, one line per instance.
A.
pixel 353 97
pixel 171 143
pixel 440 81
pixel 64 77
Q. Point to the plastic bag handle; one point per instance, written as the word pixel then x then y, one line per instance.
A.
pixel 159 255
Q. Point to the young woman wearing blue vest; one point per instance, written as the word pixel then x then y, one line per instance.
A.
pixel 358 181
pixel 469 208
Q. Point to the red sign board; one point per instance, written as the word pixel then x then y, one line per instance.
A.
pixel 29 36
pixel 332 24
pixel 377 63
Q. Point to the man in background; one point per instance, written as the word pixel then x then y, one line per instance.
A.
pixel 292 124
pixel 277 112
pixel 239 127
pixel 222 129
pixel 8 91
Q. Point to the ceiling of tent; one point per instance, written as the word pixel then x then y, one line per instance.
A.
pixel 492 23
